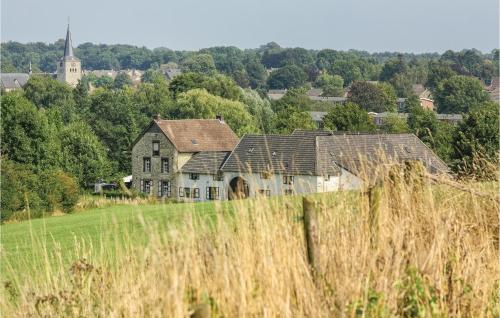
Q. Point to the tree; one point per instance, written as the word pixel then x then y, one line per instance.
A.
pixel 394 124
pixel 113 118
pixel 332 85
pixel 348 117
pixel 19 189
pixel 425 125
pixel 152 99
pixel 389 96
pixel 83 155
pixel 152 76
pixel 288 76
pixel 122 80
pixel 402 85
pixel 46 92
pixel 393 67
pixel 372 97
pixel 295 97
pixel 438 71
pixel 198 103
pixel 256 72
pixel 476 142
pixel 292 118
pixel 27 135
pixel 348 70
pixel 218 84
pixel 458 93
pixel 200 63
pixel 260 109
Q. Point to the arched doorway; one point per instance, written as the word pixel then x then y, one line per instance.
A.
pixel 238 189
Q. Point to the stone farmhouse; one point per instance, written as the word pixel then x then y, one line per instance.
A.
pixel 201 160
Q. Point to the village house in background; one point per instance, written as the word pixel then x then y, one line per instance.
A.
pixel 492 87
pixel 13 81
pixel 200 160
pixel 380 118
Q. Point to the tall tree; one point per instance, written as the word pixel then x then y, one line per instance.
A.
pixel 122 80
pixel 27 135
pixel 83 155
pixel 288 76
pixel 458 93
pixel 348 117
pixel 476 142
pixel 198 103
pixel 218 84
pixel 200 63
pixel 372 97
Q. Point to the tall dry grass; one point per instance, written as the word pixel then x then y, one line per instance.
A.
pixel 435 254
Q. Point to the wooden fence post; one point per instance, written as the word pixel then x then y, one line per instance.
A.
pixel 311 233
pixel 374 198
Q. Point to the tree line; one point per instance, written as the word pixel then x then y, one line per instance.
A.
pixel 267 67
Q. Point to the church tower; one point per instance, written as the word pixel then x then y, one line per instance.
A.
pixel 69 68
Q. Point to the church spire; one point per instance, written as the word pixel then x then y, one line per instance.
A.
pixel 68 46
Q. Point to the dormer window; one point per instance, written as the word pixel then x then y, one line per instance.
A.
pixel 156 148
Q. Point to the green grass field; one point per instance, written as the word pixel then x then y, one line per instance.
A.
pixel 23 244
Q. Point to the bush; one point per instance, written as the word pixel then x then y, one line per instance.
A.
pixel 19 189
pixel 60 191
pixel 26 194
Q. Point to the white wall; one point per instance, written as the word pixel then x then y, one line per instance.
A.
pixel 348 181
pixel 301 185
pixel 202 183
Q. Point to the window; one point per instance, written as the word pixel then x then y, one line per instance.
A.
pixel 287 179
pixel 156 148
pixel 165 167
pixel 189 192
pixel 327 177
pixel 288 192
pixel 146 167
pixel 263 192
pixel 164 188
pixel 146 185
pixel 212 193
pixel 218 176
pixel 194 176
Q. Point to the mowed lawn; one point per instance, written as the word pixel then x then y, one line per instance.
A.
pixel 32 245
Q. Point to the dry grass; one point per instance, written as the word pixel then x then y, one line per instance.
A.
pixel 435 254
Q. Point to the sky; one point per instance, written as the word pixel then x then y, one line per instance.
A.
pixel 371 25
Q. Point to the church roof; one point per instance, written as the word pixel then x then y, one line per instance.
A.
pixel 68 47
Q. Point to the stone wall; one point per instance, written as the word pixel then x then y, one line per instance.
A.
pixel 144 148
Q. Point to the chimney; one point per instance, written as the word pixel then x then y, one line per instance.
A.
pixel 156 117
pixel 219 118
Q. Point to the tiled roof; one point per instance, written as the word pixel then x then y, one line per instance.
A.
pixel 417 89
pixel 360 154
pixel 13 80
pixel 293 154
pixel 323 152
pixel 196 135
pixel 205 162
